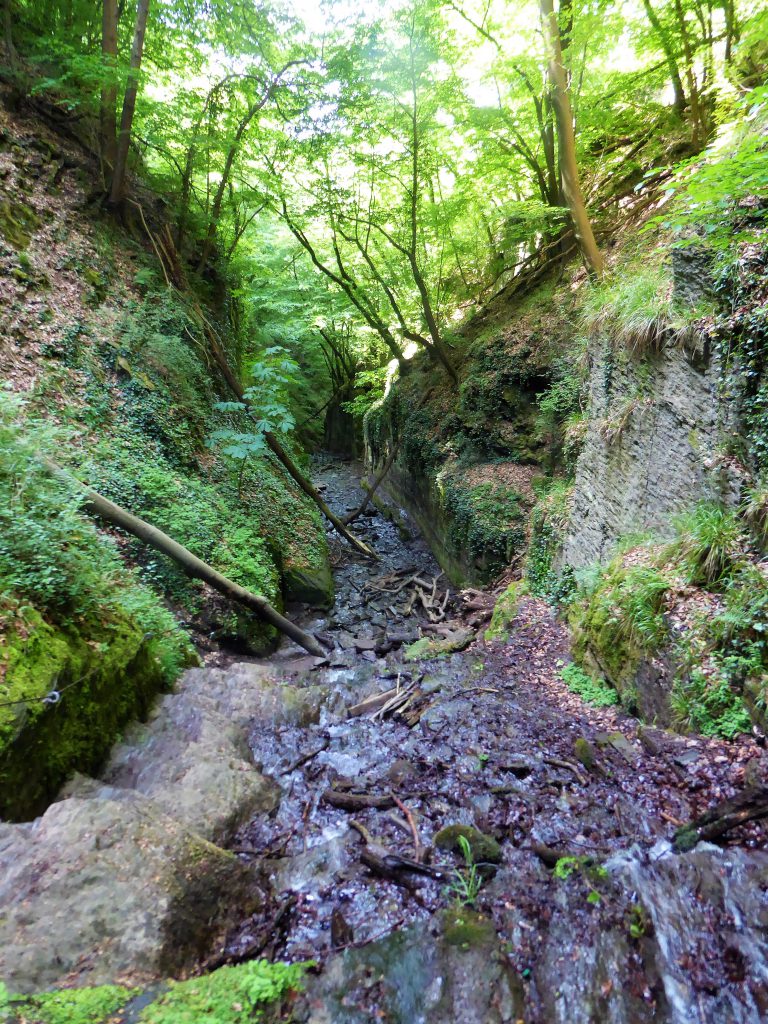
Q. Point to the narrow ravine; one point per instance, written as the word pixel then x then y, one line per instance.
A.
pixel 359 869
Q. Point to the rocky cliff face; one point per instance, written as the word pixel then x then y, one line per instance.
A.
pixel 655 445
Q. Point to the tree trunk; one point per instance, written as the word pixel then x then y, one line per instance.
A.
pixel 680 102
pixel 129 105
pixel 10 49
pixel 567 144
pixel 370 489
pixel 284 458
pixel 698 131
pixel 191 564
pixel 108 110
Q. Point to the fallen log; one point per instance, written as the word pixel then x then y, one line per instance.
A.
pixel 370 489
pixel 357 801
pixel 107 510
pixel 277 449
pixel 749 805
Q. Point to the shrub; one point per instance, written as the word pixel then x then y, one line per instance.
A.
pixel 52 557
pixel 707 703
pixel 754 509
pixel 708 544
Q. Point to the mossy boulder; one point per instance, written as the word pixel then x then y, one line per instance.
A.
pixel 450 967
pixel 104 676
pixel 18 222
pixel 484 848
pixel 505 611
pixel 584 752
pixel 310 584
pixel 467 929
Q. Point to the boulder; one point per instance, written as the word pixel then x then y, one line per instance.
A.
pixel 110 887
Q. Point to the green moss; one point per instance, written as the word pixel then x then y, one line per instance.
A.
pixel 620 620
pixel 483 848
pixel 243 994
pixel 107 674
pixel 468 930
pixel 709 704
pixel 486 520
pixel 549 521
pixel 18 222
pixel 505 611
pixel 77 1005
pixel 428 647
pixel 584 752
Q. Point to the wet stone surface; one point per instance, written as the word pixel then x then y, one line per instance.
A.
pixel 626 931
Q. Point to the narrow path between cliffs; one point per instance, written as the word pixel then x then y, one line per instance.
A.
pixel 581 909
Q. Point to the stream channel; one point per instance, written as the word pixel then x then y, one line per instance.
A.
pixel 351 875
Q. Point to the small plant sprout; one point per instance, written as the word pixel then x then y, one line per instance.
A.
pixel 466 882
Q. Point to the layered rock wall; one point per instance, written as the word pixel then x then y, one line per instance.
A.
pixel 655 445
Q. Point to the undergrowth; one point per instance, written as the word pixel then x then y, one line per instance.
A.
pixel 634 306
pixel 720 655
pixel 487 520
pixel 244 994
pixel 53 559
pixel 591 689
pixel 73 1006
pixel 709 542
pixel 251 993
pixel 549 520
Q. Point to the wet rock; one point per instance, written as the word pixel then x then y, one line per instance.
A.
pixel 584 752
pixel 110 887
pixel 484 848
pixel 449 969
pixel 401 770
pixel 312 586
pixel 619 742
pixel 193 759
pixel 429 647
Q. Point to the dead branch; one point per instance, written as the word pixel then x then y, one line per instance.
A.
pixel 749 805
pixel 558 762
pixel 371 490
pixel 193 566
pixel 417 848
pixel 357 801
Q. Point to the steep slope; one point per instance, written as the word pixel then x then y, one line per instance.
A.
pixel 97 345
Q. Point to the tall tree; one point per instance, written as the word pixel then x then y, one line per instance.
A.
pixel 569 167
pixel 129 105
pixel 108 109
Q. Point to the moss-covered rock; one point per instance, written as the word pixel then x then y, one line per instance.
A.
pixel 484 848
pixel 110 887
pixel 104 676
pixel 432 647
pixel 620 623
pixel 18 222
pixel 243 994
pixel 467 929
pixel 95 1005
pixel 505 611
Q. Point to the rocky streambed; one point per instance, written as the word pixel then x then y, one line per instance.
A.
pixel 449 838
